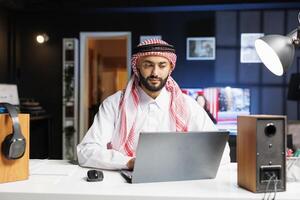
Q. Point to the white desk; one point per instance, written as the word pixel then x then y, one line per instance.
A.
pixel 59 180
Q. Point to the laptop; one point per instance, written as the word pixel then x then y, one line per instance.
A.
pixel 177 156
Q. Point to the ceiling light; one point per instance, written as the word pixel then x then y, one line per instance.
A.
pixel 42 38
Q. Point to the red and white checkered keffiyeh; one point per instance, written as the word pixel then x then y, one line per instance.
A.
pixel 124 140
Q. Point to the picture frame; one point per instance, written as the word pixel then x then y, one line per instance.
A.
pixel 9 94
pixel 200 48
pixel 248 53
pixel 147 37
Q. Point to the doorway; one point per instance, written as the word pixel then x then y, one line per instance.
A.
pixel 104 69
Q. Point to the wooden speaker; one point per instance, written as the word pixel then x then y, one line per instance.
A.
pixel 18 169
pixel 261 156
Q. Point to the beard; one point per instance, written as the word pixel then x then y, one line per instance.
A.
pixel 146 82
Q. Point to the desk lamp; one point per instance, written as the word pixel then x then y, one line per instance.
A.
pixel 277 51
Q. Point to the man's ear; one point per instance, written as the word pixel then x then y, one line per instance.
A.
pixel 138 63
pixel 172 67
pixel 170 72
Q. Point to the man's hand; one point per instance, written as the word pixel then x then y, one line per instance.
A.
pixel 130 164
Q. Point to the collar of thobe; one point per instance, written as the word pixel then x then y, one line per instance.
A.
pixel 162 100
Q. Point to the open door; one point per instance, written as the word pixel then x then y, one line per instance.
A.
pixel 105 69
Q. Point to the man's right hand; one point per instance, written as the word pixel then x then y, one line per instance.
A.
pixel 130 164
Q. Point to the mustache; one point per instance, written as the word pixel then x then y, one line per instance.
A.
pixel 154 77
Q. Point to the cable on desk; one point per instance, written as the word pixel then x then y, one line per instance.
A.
pixel 275 187
pixel 268 185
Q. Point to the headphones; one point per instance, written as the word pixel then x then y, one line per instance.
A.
pixel 14 144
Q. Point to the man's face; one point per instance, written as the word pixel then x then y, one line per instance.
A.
pixel 153 72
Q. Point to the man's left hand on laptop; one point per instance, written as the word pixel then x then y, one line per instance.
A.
pixel 130 164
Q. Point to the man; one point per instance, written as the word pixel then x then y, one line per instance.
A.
pixel 152 101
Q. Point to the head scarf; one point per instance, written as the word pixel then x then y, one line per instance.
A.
pixel 124 139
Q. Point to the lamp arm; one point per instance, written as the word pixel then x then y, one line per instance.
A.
pixel 298 36
pixel 295 35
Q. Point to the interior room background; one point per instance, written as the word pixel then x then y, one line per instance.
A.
pixel 37 69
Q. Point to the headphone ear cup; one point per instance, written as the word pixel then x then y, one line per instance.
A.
pixel 13 148
pixel 6 145
pixel 14 145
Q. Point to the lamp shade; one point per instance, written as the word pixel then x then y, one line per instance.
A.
pixel 276 52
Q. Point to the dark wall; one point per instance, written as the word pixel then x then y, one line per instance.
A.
pixel 39 68
pixel 4 27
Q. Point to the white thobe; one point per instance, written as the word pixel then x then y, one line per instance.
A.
pixel 153 115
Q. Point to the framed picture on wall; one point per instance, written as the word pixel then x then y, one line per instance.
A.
pixel 9 94
pixel 248 52
pixel 146 37
pixel 200 48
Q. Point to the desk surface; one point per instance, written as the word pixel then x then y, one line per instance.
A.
pixel 58 179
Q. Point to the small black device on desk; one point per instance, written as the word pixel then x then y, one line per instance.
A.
pixel 94 175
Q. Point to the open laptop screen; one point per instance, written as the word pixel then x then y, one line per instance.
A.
pixel 175 156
